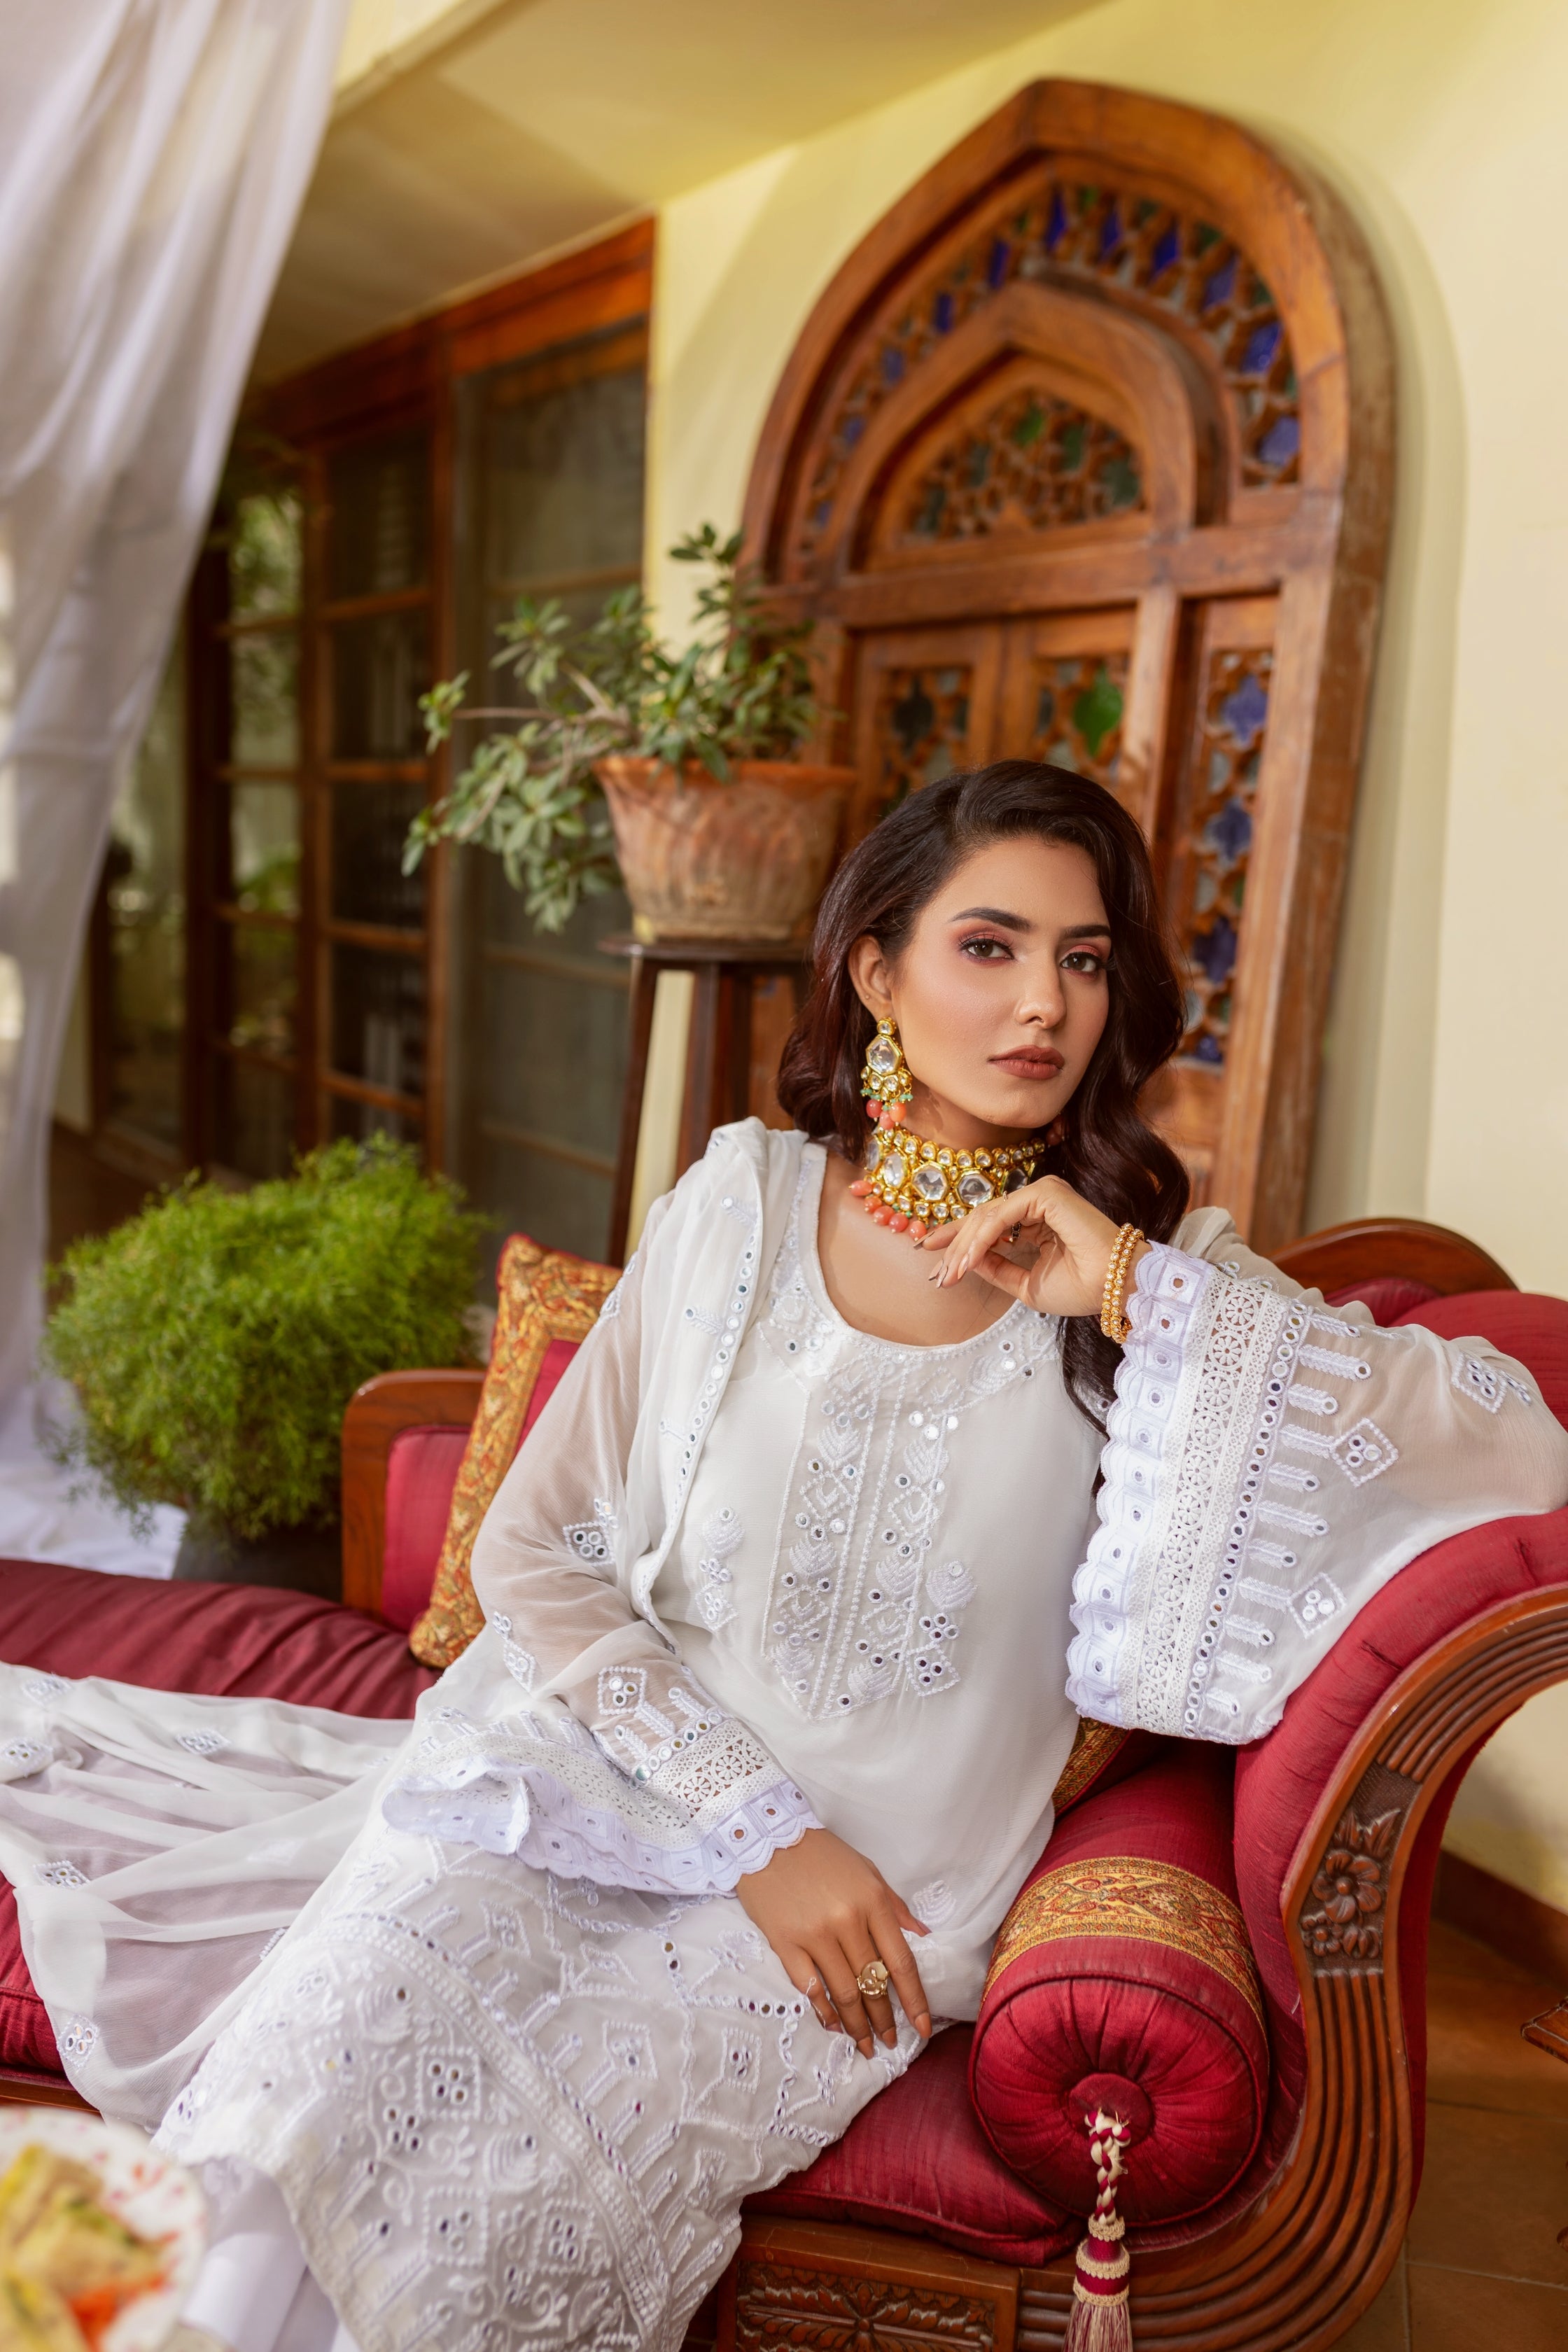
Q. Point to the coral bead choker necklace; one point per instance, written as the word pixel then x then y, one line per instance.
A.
pixel 910 1184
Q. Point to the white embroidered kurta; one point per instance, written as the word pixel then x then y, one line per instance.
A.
pixel 477 1995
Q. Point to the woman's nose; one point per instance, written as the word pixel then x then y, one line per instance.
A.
pixel 1044 999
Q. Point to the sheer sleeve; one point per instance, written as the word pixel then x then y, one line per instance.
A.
pixel 1270 1464
pixel 693 1798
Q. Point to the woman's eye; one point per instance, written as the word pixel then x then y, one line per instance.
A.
pixel 984 950
pixel 1083 960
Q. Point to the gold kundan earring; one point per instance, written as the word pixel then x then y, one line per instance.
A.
pixel 885 1080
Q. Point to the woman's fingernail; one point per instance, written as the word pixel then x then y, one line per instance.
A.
pixel 890 2039
pixel 868 2048
pixel 922 2026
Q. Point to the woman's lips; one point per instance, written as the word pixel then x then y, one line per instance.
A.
pixel 1030 1065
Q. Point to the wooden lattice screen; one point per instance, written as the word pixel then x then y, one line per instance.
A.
pixel 1086 454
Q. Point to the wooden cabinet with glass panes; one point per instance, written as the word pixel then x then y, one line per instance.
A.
pixel 381 515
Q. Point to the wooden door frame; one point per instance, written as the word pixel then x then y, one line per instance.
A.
pixel 407 378
pixel 1316 538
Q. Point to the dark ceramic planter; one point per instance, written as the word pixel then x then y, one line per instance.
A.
pixel 300 1559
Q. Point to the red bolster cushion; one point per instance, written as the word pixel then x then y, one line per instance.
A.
pixel 1122 1979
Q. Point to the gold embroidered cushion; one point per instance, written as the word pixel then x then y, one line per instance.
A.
pixel 540 1295
pixel 1122 1978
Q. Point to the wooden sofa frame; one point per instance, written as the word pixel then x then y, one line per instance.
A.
pixel 1298 2267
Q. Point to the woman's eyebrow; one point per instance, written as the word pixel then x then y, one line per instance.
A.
pixel 994 915
pixel 1000 916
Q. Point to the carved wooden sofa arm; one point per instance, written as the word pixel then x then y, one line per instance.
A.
pixel 1320 2241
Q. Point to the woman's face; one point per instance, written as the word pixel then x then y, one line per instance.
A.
pixel 1001 994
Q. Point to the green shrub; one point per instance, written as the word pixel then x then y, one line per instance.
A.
pixel 215 1339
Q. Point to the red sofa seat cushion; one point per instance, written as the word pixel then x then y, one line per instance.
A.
pixel 1122 1978
pixel 917 2159
pixel 233 1640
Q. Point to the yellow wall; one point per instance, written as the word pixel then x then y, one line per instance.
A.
pixel 1445 124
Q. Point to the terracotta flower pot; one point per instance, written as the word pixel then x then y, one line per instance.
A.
pixel 743 860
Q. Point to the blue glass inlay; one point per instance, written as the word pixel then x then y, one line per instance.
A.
pixel 1110 232
pixel 1220 286
pixel 853 428
pixel 1245 712
pixel 1207 1050
pixel 942 314
pixel 997 263
pixel 1215 951
pixel 893 363
pixel 1261 346
pixel 1056 226
pixel 1229 832
pixel 1281 441
pixel 822 515
pixel 1166 251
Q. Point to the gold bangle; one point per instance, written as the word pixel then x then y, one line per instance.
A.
pixel 1119 1248
pixel 1113 1322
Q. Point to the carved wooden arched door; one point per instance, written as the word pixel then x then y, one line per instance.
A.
pixel 1085 456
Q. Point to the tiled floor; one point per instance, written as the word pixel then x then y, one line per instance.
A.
pixel 1481 2268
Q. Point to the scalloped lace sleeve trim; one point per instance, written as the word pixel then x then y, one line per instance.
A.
pixel 1142 1440
pixel 541 1787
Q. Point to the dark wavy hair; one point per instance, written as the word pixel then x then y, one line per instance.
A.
pixel 1110 1153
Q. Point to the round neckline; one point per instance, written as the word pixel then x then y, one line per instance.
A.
pixel 808 1212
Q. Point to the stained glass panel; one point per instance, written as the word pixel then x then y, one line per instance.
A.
pixel 1078 710
pixel 1160 260
pixel 1032 464
pixel 1233 724
pixel 1035 463
pixel 922 727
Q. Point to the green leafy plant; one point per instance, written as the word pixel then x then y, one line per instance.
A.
pixel 215 1340
pixel 740 690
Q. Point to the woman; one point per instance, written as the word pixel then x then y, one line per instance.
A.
pixel 684 1858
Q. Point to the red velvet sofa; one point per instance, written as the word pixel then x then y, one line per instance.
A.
pixel 1227 1947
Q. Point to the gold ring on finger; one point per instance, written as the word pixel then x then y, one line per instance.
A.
pixel 872 1981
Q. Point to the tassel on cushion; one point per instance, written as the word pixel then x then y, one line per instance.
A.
pixel 1101 2321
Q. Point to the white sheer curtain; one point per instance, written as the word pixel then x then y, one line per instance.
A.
pixel 154 154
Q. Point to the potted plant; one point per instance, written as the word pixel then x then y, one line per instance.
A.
pixel 679 772
pixel 214 1340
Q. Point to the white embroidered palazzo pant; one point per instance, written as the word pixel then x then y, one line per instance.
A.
pixel 508 2110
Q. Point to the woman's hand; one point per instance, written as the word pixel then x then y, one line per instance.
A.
pixel 828 1912
pixel 1043 1243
